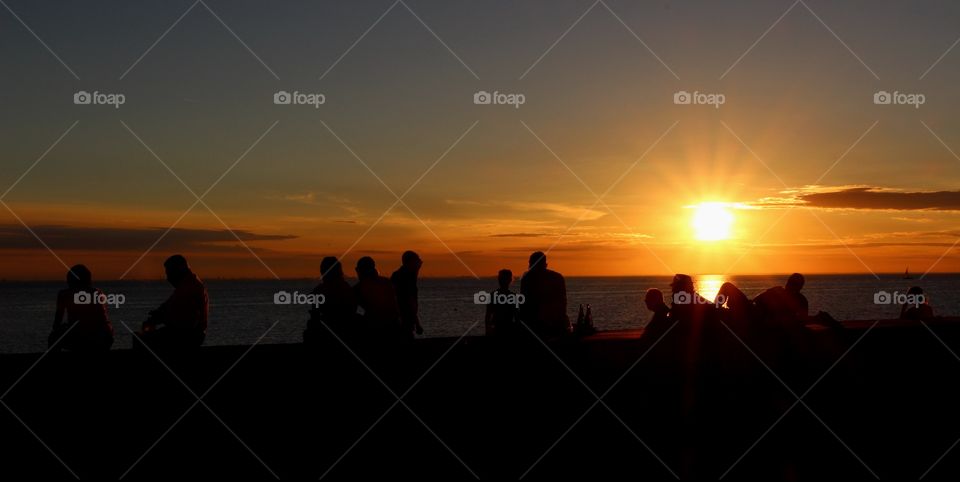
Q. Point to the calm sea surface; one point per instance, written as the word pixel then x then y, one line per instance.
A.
pixel 242 310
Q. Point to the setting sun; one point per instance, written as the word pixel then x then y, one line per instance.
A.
pixel 712 221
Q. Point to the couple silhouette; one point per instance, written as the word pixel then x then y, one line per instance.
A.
pixel 81 322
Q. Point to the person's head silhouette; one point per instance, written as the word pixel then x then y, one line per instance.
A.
pixel 682 283
pixel 366 268
pixel 177 269
pixel 731 296
pixel 79 277
pixel 726 289
pixel 537 261
pixel 795 283
pixel 654 299
pixel 331 269
pixel 411 260
pixel 918 296
pixel 504 278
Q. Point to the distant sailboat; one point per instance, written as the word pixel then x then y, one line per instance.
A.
pixel 906 274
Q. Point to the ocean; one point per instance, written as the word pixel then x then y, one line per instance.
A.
pixel 242 310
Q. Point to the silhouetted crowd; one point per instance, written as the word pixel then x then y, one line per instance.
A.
pixel 375 308
pixel 381 309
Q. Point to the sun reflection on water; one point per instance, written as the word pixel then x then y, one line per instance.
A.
pixel 709 284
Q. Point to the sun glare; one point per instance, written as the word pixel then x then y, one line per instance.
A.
pixel 712 221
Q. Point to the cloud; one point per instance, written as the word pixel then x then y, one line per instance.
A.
pixel 58 237
pixel 865 198
pixel 312 198
pixel 518 235
pixel 943 233
pixel 305 198
pixel 557 210
pixel 912 220
pixel 876 198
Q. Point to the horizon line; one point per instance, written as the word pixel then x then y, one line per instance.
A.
pixel 469 277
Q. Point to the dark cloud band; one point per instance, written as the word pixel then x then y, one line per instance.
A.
pixel 882 199
pixel 58 237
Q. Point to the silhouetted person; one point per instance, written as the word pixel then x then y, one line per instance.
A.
pixel 738 317
pixel 686 303
pixel 181 321
pixel 377 298
pixel 80 322
pixel 660 321
pixel 502 319
pixel 916 311
pixel 798 302
pixel 784 303
pixel 695 347
pixel 544 309
pixel 339 309
pixel 404 282
pixel 735 308
pixel 697 318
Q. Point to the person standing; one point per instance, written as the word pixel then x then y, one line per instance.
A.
pixel 404 281
pixel 338 311
pixel 377 298
pixel 544 309
pixel 501 319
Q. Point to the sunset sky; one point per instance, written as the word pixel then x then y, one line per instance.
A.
pixel 815 176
